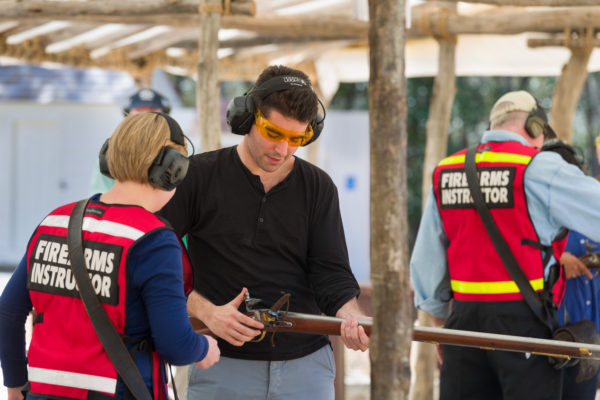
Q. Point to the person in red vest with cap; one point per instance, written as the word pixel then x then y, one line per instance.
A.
pixel 459 277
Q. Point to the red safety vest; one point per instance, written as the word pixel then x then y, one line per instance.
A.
pixel 558 290
pixel 475 268
pixel 66 358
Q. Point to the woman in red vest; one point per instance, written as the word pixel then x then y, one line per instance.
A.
pixel 135 264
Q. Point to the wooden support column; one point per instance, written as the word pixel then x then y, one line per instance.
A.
pixel 425 366
pixel 207 84
pixel 568 91
pixel 392 303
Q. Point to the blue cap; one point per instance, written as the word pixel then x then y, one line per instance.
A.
pixel 148 98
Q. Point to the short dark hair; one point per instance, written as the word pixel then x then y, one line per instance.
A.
pixel 299 103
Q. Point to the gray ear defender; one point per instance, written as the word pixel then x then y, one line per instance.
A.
pixel 536 122
pixel 168 168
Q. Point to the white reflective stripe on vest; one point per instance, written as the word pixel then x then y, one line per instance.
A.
pixel 94 225
pixel 72 379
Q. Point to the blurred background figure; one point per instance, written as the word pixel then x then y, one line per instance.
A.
pixel 581 301
pixel 144 100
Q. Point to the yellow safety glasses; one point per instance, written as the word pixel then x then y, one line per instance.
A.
pixel 598 141
pixel 274 133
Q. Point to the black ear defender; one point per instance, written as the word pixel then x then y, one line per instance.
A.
pixel 241 109
pixel 536 121
pixel 102 160
pixel 168 168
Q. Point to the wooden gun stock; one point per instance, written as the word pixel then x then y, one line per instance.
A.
pixel 300 323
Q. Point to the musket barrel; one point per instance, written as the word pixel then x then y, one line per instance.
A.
pixel 492 341
pixel 324 325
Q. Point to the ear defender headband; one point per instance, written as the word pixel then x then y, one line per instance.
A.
pixel 241 110
pixel 169 167
pixel 537 121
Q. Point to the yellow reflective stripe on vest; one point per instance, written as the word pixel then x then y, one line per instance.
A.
pixel 492 287
pixel 488 156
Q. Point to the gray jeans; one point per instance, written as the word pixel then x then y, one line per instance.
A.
pixel 307 378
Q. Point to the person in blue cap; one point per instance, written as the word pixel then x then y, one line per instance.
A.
pixel 144 100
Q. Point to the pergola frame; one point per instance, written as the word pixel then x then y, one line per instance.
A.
pixel 192 26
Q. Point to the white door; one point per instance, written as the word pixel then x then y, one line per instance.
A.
pixel 36 176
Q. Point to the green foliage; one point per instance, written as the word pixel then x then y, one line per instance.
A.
pixel 473 100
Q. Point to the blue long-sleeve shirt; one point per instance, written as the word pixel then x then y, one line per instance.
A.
pixel 156 306
pixel 558 196
pixel 582 295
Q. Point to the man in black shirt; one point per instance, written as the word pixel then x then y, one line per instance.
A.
pixel 259 219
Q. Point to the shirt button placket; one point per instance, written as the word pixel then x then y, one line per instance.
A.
pixel 260 217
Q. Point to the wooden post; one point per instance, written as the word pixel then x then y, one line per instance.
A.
pixel 207 84
pixel 425 367
pixel 392 305
pixel 567 93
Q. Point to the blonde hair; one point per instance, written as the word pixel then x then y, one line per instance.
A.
pixel 135 144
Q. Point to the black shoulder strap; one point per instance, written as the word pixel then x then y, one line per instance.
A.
pixel 532 299
pixel 110 339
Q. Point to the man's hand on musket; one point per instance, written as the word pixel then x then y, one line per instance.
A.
pixel 353 335
pixel 225 321
pixel 573 266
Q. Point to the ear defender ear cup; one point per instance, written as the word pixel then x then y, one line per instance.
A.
pixel 168 168
pixel 535 125
pixel 102 160
pixel 240 114
pixel 536 121
pixel 317 125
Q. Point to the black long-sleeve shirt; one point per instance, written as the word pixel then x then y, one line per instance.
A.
pixel 290 239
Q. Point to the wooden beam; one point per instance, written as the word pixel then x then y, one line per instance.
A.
pixel 278 40
pixel 23 26
pixel 161 42
pixel 46 9
pixel 242 7
pixel 69 32
pixel 504 22
pixel 120 32
pixel 299 26
pixel 7 25
pixel 436 23
pixel 280 26
pixel 532 3
pixel 573 43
